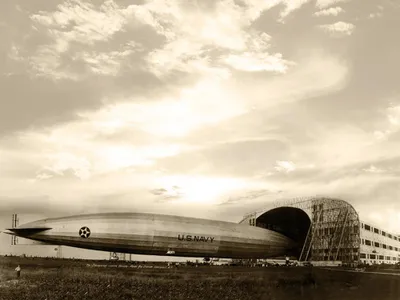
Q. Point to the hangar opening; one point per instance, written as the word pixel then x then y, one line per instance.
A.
pixel 289 221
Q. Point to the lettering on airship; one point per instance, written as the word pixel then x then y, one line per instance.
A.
pixel 195 238
pixel 84 232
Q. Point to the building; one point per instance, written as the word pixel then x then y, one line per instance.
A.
pixel 120 256
pixel 378 246
pixel 329 230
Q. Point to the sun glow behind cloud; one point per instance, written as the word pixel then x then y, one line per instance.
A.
pixel 204 190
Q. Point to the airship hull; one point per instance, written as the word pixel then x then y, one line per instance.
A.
pixel 153 234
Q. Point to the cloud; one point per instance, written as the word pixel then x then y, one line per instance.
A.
pixel 291 6
pixel 224 28
pixel 106 63
pixel 51 63
pixel 285 166
pixel 303 79
pixel 67 150
pixel 211 135
pixel 63 161
pixel 207 102
pixel 257 62
pixel 170 194
pixel 68 32
pixel 394 115
pixel 339 28
pixel 79 21
pixel 373 169
pixel 375 15
pixel 158 192
pixel 238 159
pixel 74 27
pixel 391 124
pixel 332 11
pixel 326 3
pixel 247 197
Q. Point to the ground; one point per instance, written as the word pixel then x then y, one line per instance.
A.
pixel 65 279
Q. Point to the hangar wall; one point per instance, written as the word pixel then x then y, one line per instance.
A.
pixel 326 229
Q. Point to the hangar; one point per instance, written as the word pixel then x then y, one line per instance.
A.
pixel 328 229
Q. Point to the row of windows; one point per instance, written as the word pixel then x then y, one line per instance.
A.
pixel 331 230
pixel 378 231
pixel 325 251
pixel 379 245
pixel 380 257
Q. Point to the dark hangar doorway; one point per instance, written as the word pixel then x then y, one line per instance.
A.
pixel 289 221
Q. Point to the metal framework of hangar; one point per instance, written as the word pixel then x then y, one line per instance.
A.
pixel 328 229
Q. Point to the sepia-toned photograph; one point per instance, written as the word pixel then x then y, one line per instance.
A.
pixel 199 149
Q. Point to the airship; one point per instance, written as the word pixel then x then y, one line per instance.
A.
pixel 156 234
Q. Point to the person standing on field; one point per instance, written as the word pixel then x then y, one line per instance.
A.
pixel 287 261
pixel 18 269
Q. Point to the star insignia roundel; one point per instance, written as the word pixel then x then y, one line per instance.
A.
pixel 84 232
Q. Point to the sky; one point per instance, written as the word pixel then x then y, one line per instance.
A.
pixel 207 109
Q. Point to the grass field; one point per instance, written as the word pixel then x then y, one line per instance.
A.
pixel 57 279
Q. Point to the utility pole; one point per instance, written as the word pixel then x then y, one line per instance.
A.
pixel 14 224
